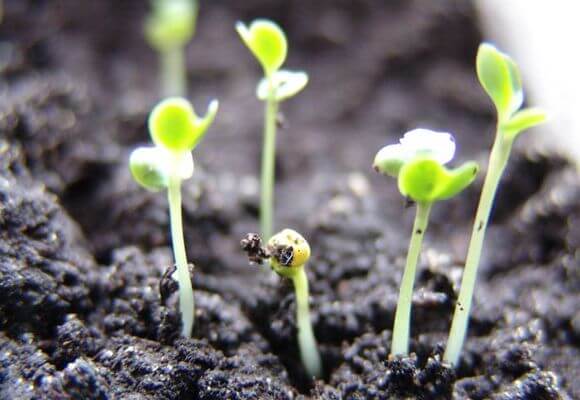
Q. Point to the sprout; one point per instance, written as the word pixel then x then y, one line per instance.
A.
pixel 288 252
pixel 176 130
pixel 418 164
pixel 500 78
pixel 268 43
pixel 168 29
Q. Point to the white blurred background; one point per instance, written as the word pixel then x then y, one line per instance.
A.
pixel 542 36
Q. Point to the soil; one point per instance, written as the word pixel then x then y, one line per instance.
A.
pixel 84 251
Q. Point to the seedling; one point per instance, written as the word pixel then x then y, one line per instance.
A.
pixel 500 78
pixel 288 252
pixel 176 130
pixel 168 29
pixel 418 164
pixel 268 43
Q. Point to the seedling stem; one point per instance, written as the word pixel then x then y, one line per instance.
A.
pixel 500 78
pixel 306 340
pixel 402 324
pixel 176 130
pixel 498 159
pixel 268 162
pixel 173 74
pixel 186 301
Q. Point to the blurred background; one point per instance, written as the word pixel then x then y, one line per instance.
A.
pixel 377 69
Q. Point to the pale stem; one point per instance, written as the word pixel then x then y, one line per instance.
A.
pixel 401 328
pixel 497 163
pixel 173 72
pixel 186 304
pixel 268 163
pixel 306 340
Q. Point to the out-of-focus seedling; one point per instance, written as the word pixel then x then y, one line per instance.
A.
pixel 268 43
pixel 288 252
pixel 418 164
pixel 500 78
pixel 176 130
pixel 168 29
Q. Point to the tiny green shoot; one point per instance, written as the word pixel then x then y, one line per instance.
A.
pixel 176 130
pixel 500 78
pixel 288 252
pixel 418 164
pixel 168 29
pixel 268 43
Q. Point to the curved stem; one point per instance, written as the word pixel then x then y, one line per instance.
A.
pixel 402 324
pixel 186 301
pixel 497 163
pixel 306 340
pixel 173 72
pixel 268 164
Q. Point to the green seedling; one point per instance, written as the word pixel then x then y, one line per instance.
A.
pixel 500 78
pixel 268 43
pixel 418 164
pixel 168 29
pixel 176 130
pixel 288 252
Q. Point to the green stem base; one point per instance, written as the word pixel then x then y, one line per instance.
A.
pixel 186 301
pixel 306 340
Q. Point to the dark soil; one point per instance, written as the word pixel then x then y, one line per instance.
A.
pixel 84 251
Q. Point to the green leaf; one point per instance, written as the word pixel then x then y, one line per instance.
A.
pixel 267 42
pixel 420 178
pixel 148 169
pixel 500 78
pixel 171 23
pixel 173 124
pixel 425 180
pixel 203 124
pixel 457 180
pixel 286 84
pixel 522 120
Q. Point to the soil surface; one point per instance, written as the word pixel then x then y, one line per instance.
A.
pixel 84 251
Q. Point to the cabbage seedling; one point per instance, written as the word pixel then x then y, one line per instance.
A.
pixel 168 29
pixel 500 78
pixel 176 130
pixel 418 164
pixel 268 43
pixel 288 252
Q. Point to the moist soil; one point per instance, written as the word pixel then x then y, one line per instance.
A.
pixel 87 308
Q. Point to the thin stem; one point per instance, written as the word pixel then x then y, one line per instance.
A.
pixel 268 163
pixel 497 163
pixel 402 324
pixel 186 304
pixel 173 72
pixel 306 340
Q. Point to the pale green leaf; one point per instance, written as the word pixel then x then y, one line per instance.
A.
pixel 390 159
pixel 285 84
pixel 171 23
pixel 148 169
